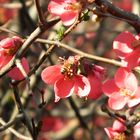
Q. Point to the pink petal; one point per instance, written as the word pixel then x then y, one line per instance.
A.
pixel 56 7
pixel 110 132
pixel 81 86
pixel 69 17
pixel 64 88
pixel 125 79
pixel 118 126
pixel 135 100
pixel 51 74
pixel 96 84
pixel 4 59
pixel 122 44
pixel 116 101
pixel 109 87
pixel 16 74
pixel 133 59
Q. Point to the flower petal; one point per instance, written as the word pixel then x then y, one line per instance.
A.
pixel 135 100
pixel 118 126
pixel 81 86
pixel 116 101
pixel 56 7
pixel 109 87
pixel 96 84
pixel 4 59
pixel 110 132
pixel 16 74
pixel 69 17
pixel 133 60
pixel 125 79
pixel 64 88
pixel 122 44
pixel 51 74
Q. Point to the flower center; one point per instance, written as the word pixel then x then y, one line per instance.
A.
pixel 121 136
pixel 73 6
pixel 126 92
pixel 68 70
pixel 69 67
pixel 10 51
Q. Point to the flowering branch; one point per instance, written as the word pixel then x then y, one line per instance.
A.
pixel 34 35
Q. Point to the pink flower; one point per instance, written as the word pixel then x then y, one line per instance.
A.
pixel 16 74
pixel 117 132
pixel 127 48
pixel 122 90
pixel 67 10
pixel 66 79
pixel 8 48
pixel 52 124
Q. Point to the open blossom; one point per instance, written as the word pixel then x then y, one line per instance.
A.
pixel 117 132
pixel 66 79
pixel 8 48
pixel 127 48
pixel 122 90
pixel 67 10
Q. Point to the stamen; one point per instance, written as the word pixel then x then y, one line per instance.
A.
pixel 73 6
pixel 121 136
pixel 126 92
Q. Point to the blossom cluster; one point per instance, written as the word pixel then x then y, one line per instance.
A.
pixel 73 75
pixel 69 78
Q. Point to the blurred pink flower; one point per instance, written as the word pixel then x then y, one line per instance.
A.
pixel 127 48
pixel 16 74
pixel 117 132
pixel 8 48
pixel 67 10
pixel 52 124
pixel 122 90
pixel 66 80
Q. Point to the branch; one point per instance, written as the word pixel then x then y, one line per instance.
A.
pixel 80 118
pixel 40 13
pixel 26 120
pixel 35 34
pixel 10 123
pixel 131 18
pixel 83 54
pixel 18 135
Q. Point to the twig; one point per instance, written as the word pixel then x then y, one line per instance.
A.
pixel 81 53
pixel 18 135
pixel 26 120
pixel 131 18
pixel 80 118
pixel 40 13
pixel 12 122
pixel 36 33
